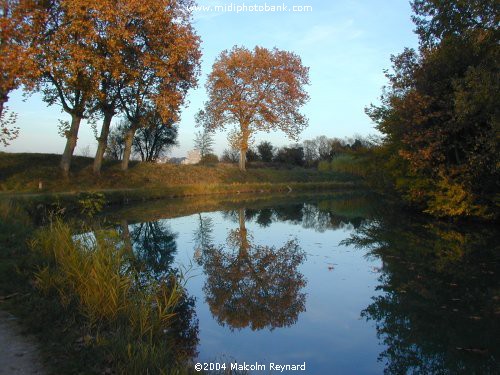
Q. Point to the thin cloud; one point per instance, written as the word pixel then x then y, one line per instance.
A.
pixel 328 33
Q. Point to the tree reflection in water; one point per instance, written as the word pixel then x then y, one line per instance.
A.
pixel 153 247
pixel 438 313
pixel 251 285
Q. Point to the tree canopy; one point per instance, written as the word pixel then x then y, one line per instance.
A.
pixel 259 90
pixel 439 113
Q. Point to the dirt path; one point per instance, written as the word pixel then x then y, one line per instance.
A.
pixel 18 352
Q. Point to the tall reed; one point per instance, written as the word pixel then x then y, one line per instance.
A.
pixel 128 312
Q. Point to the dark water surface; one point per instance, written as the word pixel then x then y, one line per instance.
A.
pixel 343 283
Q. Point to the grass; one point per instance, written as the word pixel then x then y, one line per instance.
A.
pixel 24 172
pixel 92 311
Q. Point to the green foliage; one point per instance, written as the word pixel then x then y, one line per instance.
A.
pixel 209 159
pixel 324 166
pixel 266 151
pixel 128 312
pixel 440 115
pixel 91 203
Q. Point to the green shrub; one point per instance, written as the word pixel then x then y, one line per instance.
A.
pixel 209 159
pixel 324 166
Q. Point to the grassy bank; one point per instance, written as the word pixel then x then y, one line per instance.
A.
pixel 88 303
pixel 29 172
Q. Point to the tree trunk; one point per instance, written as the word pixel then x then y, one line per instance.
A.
pixel 103 142
pixel 129 138
pixel 243 159
pixel 126 237
pixel 71 139
pixel 244 242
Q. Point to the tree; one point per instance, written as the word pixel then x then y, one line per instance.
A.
pixel 19 21
pixel 230 156
pixel 439 114
pixel 162 53
pixel 69 65
pixel 259 90
pixel 311 155
pixel 204 143
pixel 293 155
pixel 266 150
pixel 253 285
pixel 438 19
pixel 155 139
pixel 19 25
pixel 115 144
pixel 252 155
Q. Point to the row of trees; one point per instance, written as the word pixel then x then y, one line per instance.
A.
pixel 308 153
pixel 98 59
pixel 439 114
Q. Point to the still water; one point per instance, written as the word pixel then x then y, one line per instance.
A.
pixel 343 283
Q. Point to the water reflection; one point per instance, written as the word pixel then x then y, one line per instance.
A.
pixel 153 246
pixel 435 310
pixel 250 285
pixel 439 310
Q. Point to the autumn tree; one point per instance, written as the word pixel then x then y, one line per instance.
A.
pixel 69 65
pixel 259 90
pixel 109 20
pixel 439 113
pixel 19 22
pixel 130 61
pixel 251 285
pixel 162 53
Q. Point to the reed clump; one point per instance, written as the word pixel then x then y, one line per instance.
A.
pixel 129 314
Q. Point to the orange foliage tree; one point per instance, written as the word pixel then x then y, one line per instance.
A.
pixel 99 58
pixel 162 53
pixel 17 45
pixel 151 58
pixel 259 90
pixel 69 65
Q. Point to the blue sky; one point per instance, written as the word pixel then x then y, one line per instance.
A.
pixel 346 43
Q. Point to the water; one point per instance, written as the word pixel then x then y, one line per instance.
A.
pixel 343 283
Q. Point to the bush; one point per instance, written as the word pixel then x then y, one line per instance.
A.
pixel 293 155
pixel 230 156
pixel 209 159
pixel 266 151
pixel 323 166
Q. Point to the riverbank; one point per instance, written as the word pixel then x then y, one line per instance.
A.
pixel 18 352
pixel 74 331
pixel 34 180
pixel 39 173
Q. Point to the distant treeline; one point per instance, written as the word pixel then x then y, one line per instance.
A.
pixel 313 153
